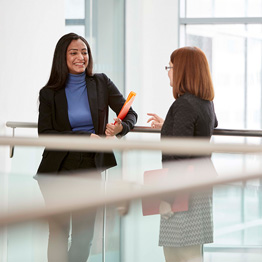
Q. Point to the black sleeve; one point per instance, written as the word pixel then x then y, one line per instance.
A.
pixel 116 101
pixel 216 122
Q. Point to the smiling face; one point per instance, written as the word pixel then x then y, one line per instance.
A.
pixel 77 57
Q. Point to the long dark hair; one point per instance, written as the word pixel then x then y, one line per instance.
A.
pixel 59 71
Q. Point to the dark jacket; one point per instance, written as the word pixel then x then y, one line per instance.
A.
pixel 189 116
pixel 53 119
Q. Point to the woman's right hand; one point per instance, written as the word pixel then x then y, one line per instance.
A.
pixel 94 136
pixel 157 121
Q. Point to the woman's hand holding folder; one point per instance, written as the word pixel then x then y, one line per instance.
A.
pixel 113 129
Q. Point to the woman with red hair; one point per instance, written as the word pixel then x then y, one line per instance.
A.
pixel 192 114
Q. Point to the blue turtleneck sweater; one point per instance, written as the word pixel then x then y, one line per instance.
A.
pixel 78 105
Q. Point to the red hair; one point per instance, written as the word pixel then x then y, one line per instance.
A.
pixel 191 73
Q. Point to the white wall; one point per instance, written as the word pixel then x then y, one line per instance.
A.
pixel 29 30
pixel 151 36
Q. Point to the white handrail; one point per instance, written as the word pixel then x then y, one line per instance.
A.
pixel 148 129
pixel 123 191
pixel 21 124
pixel 181 146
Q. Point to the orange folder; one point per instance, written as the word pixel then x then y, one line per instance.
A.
pixel 130 99
pixel 150 206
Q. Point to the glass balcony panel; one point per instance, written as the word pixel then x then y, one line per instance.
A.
pixel 236 213
pixel 134 237
pixel 28 241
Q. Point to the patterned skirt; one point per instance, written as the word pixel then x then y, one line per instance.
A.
pixel 191 227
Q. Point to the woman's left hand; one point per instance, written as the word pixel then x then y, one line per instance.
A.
pixel 165 210
pixel 113 129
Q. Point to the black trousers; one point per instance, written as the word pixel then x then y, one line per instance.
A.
pixel 77 161
pixel 60 248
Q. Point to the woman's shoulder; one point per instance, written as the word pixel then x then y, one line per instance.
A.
pixel 47 92
pixel 181 106
pixel 198 106
pixel 182 102
pixel 189 97
pixel 103 80
pixel 101 76
pixel 193 101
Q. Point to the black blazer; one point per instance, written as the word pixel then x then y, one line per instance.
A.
pixel 189 116
pixel 53 119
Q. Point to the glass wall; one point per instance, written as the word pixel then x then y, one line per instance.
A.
pixel 236 208
pixel 229 32
pixel 222 8
pixel 102 23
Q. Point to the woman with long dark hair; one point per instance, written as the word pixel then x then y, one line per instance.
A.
pixel 76 102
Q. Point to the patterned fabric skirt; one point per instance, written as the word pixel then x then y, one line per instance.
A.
pixel 191 227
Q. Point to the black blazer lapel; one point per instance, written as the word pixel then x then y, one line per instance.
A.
pixel 93 100
pixel 61 110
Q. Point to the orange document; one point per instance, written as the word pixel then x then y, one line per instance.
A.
pixel 150 206
pixel 130 99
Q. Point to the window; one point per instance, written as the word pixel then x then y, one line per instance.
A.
pixel 229 32
pixel 102 24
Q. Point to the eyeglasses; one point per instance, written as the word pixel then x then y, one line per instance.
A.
pixel 168 68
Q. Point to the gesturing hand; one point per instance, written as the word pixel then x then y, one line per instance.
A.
pixel 157 121
pixel 113 129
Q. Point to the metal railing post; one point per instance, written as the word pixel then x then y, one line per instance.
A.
pixel 12 148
